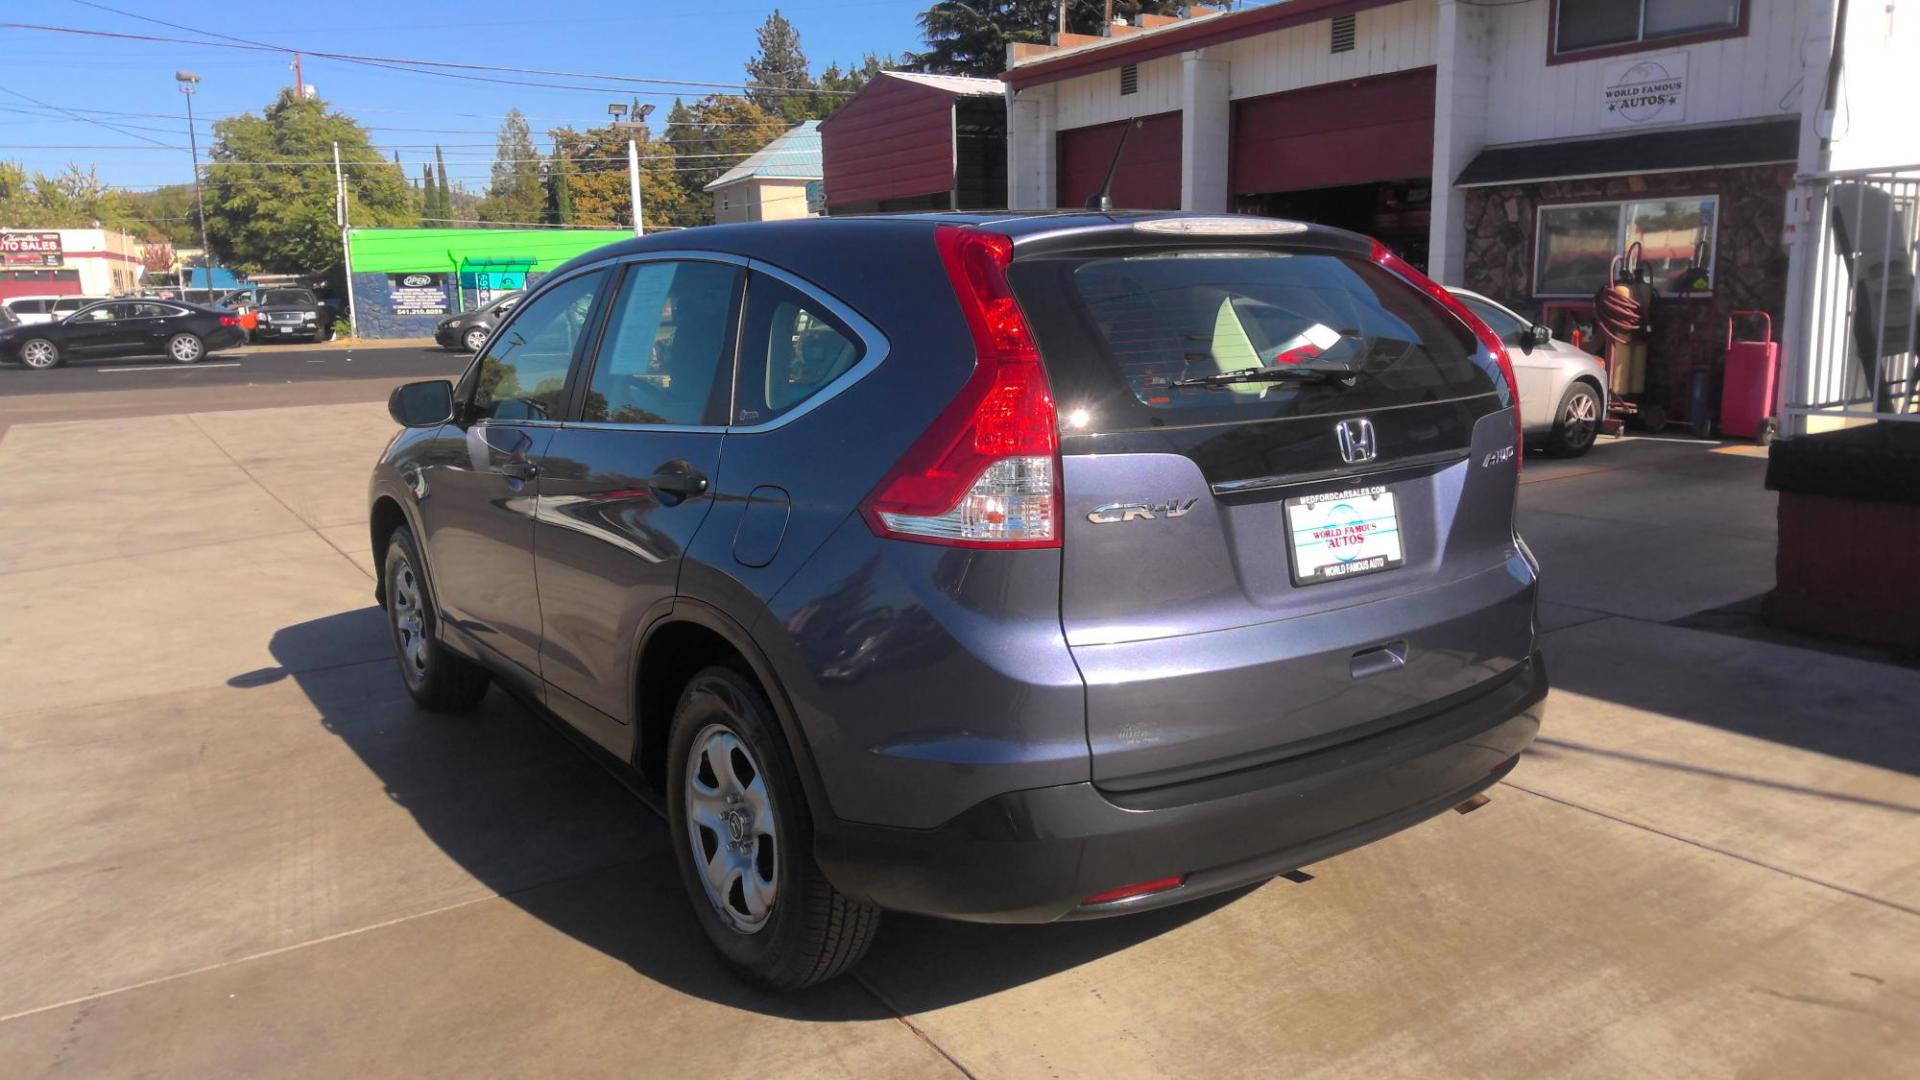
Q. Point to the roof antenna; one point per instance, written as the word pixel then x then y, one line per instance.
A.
pixel 1103 199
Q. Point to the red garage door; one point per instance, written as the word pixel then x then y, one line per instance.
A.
pixel 1149 175
pixel 1354 132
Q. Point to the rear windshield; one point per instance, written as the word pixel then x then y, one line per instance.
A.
pixel 1118 331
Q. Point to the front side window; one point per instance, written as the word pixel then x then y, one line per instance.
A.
pixel 664 359
pixel 792 348
pixel 1574 246
pixel 103 313
pixel 1594 24
pixel 523 374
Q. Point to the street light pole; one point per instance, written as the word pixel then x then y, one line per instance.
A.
pixel 188 80
pixel 640 115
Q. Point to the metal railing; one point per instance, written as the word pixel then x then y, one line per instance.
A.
pixel 1857 356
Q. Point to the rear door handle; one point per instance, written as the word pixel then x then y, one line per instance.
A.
pixel 676 481
pixel 519 470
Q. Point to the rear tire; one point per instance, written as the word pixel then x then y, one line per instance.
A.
pixel 186 349
pixel 1576 424
pixel 439 679
pixel 739 821
pixel 40 354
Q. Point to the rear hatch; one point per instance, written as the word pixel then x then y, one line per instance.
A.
pixel 1258 565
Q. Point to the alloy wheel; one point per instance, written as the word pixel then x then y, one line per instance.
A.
pixel 730 823
pixel 409 622
pixel 1582 420
pixel 38 354
pixel 184 349
pixel 476 340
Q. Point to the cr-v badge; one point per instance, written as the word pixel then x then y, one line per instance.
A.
pixel 1356 441
pixel 1116 512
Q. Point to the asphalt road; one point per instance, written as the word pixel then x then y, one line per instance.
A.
pixel 252 364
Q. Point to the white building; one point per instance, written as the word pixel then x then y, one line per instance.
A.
pixel 67 262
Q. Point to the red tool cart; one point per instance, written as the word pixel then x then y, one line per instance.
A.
pixel 1752 370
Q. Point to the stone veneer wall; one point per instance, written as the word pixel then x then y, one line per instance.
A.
pixel 1750 269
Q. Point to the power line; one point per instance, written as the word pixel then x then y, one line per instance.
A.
pixel 76 116
pixel 422 67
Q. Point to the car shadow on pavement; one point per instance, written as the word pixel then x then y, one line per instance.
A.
pixel 518 803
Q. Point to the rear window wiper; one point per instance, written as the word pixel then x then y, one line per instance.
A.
pixel 1308 372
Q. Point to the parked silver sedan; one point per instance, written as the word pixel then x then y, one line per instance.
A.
pixel 1563 388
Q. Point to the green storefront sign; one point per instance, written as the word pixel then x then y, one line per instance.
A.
pixel 483 262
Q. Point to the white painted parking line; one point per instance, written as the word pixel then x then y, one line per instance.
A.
pixel 164 367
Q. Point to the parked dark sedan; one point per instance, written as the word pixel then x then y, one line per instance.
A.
pixel 468 330
pixel 184 333
pixel 292 314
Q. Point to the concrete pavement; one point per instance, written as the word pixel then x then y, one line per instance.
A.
pixel 233 846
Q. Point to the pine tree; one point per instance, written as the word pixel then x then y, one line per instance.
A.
pixel 778 73
pixel 443 194
pixel 970 37
pixel 515 193
pixel 559 190
pixel 429 198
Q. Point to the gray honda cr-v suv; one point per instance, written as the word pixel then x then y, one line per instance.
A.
pixel 1009 568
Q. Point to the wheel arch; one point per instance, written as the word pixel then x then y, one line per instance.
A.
pixel 691 636
pixel 383 517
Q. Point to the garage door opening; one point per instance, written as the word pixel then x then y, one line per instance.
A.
pixel 1394 212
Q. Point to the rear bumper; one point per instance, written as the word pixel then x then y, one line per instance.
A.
pixel 1032 856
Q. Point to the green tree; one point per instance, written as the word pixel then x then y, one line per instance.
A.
pixel 270 188
pixel 166 213
pixel 74 199
pixel 559 190
pixel 710 137
pixel 428 199
pixel 516 193
pixel 970 37
pixel 597 184
pixel 837 84
pixel 777 75
pixel 443 195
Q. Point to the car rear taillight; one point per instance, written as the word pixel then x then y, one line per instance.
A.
pixel 986 472
pixel 229 320
pixel 1481 331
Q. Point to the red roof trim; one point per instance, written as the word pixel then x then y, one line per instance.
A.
pixel 1181 37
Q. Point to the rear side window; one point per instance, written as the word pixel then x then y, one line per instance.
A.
pixel 29 307
pixel 792 348
pixel 1117 332
pixel 523 375
pixel 664 357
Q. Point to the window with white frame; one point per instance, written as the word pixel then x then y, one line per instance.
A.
pixel 1595 24
pixel 1574 245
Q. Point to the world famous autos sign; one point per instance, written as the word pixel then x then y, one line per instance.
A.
pixel 38 249
pixel 1644 92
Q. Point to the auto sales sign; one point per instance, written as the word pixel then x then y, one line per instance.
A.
pixel 41 249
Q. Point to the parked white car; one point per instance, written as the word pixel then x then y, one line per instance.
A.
pixel 46 309
pixel 1563 388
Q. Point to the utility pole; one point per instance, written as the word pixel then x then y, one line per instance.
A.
pixel 188 80
pixel 1063 16
pixel 346 230
pixel 299 80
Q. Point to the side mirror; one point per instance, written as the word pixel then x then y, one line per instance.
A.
pixel 421 404
pixel 1536 337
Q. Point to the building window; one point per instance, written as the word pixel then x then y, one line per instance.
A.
pixel 1129 79
pixel 1595 24
pixel 1574 246
pixel 1343 30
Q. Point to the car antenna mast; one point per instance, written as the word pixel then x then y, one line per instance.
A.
pixel 1103 199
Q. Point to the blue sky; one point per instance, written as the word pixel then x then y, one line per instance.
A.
pixel 688 39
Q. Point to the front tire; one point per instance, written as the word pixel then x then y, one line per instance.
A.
pixel 745 845
pixel 1577 422
pixel 186 349
pixel 439 679
pixel 40 354
pixel 475 340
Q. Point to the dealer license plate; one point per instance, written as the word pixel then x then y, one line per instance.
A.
pixel 1344 533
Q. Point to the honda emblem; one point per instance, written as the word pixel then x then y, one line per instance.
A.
pixel 1356 441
